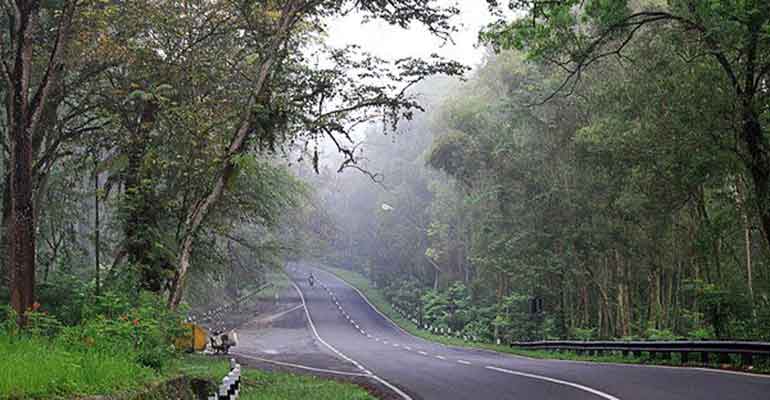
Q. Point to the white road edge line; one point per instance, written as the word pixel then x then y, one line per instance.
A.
pixel 556 381
pixel 299 366
pixel 356 363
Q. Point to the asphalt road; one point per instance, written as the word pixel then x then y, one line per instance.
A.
pixel 418 369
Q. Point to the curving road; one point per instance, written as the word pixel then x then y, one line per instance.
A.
pixel 417 369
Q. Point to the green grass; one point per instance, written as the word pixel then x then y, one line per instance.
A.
pixel 201 366
pixel 377 298
pixel 260 385
pixel 34 368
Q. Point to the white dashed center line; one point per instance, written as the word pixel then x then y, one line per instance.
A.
pixel 423 353
pixel 463 362
pixel 441 357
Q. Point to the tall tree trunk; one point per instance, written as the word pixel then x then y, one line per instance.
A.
pixel 140 207
pixel 97 228
pixel 21 251
pixel 6 224
pixel 740 200
pixel 624 306
pixel 24 107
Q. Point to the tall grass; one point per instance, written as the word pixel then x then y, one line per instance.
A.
pixel 38 368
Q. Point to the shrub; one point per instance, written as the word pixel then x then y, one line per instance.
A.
pixel 583 333
pixel 661 334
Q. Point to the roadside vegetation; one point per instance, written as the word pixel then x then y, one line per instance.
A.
pixel 112 343
pixel 260 385
pixel 147 172
pixel 599 176
pixel 128 354
pixel 380 300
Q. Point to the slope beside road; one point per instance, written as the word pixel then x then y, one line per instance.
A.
pixel 419 369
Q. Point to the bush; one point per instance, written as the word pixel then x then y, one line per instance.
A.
pixel 583 333
pixel 661 334
pixel 703 333
pixel 142 329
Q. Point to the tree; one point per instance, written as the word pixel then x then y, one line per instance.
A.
pixel 733 35
pixel 328 102
pixel 29 84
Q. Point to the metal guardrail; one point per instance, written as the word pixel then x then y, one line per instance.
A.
pixel 216 313
pixel 746 350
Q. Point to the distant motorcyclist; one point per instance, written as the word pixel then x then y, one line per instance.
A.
pixel 311 280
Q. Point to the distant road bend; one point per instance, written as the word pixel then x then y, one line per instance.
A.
pixel 417 369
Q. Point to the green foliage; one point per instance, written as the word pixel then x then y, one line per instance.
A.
pixel 140 328
pixel 584 333
pixel 40 367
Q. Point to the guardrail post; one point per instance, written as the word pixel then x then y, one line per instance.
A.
pixel 704 357
pixel 624 353
pixel 684 356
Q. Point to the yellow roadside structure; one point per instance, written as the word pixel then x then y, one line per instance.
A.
pixel 193 340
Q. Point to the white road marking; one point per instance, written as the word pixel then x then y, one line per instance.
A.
pixel 285 364
pixel 354 362
pixel 369 336
pixel 377 339
pixel 441 357
pixel 396 345
pixel 423 353
pixel 463 362
pixel 281 314
pixel 556 381
pixel 408 348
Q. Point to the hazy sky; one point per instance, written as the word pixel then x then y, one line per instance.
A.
pixel 389 42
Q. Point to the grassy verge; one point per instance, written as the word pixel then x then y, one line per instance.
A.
pixel 31 369
pixel 260 385
pixel 377 298
pixel 34 368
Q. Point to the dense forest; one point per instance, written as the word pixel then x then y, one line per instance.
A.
pixel 148 167
pixel 143 138
pixel 603 174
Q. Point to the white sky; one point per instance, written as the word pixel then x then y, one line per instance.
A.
pixel 391 42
